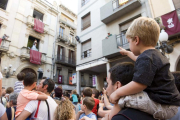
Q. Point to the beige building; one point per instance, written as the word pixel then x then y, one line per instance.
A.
pixel 162 7
pixel 17 21
pixel 65 49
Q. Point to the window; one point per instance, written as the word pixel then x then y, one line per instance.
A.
pixel 3 4
pixel 86 21
pixel 38 15
pixel 86 49
pixel 84 2
pixel 31 43
pixel 60 53
pixel 90 80
pixel 71 37
pixel 71 56
pixel 61 31
pixel 82 79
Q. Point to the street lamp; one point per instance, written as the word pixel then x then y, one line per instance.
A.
pixel 7 71
pixel 163 38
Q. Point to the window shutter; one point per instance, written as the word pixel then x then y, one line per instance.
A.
pixel 58 52
pixel 86 21
pixel 86 46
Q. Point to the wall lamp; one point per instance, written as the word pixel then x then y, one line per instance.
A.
pixel 163 39
pixel 8 71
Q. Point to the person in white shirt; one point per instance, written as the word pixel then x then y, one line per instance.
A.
pixel 39 109
pixel 3 115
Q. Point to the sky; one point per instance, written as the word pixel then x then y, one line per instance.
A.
pixel 71 4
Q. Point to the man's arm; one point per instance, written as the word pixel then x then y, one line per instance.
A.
pixel 0 87
pixel 24 114
pixel 102 112
pixel 129 89
pixel 114 111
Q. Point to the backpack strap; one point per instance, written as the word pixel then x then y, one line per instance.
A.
pixel 37 109
pixel 12 113
pixel 124 116
pixel 48 110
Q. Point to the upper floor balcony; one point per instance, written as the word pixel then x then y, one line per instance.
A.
pixel 4 47
pixel 62 59
pixel 117 8
pixel 65 38
pixel 25 55
pixel 110 45
pixel 68 23
pixel 30 23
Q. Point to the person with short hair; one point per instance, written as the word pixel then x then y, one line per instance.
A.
pixel 58 93
pixel 152 73
pixel 12 106
pixel 3 98
pixel 65 111
pixel 95 93
pixel 26 95
pixel 9 90
pixel 43 110
pixel 18 86
pixel 86 109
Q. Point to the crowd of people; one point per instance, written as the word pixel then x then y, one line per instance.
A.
pixel 144 90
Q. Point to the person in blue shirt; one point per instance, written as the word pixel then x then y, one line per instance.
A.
pixel 86 110
pixel 74 97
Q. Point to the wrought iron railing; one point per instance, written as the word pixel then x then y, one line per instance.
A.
pixel 64 59
pixel 121 40
pixel 62 37
pixel 85 55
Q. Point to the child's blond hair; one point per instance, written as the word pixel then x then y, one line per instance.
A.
pixel 74 91
pixel 146 29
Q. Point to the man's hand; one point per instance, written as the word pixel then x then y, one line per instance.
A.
pixel 123 51
pixel 114 97
pixel 104 91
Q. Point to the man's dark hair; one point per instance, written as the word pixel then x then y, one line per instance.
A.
pixel 20 76
pixel 177 79
pixel 58 92
pixel 87 92
pixel 66 94
pixel 122 72
pixel 29 79
pixel 50 84
pixel 89 102
pixel 96 92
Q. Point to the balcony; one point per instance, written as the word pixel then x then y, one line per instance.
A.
pixel 110 46
pixel 61 59
pixel 56 80
pixel 4 47
pixel 30 23
pixel 83 83
pixel 72 41
pixel 114 9
pixel 89 83
pixel 62 37
pixel 68 23
pixel 25 55
pixel 84 2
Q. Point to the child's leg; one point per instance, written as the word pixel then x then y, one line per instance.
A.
pixel 114 111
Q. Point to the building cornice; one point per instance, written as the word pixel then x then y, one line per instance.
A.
pixel 68 10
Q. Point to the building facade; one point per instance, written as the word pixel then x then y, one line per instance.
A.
pixel 65 49
pixel 102 28
pixel 17 30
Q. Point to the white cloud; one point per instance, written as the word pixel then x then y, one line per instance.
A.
pixel 71 4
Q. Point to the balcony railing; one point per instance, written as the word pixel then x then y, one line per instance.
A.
pixel 62 37
pixel 56 80
pixel 30 23
pixel 72 41
pixel 3 6
pixel 4 45
pixel 83 82
pixel 121 40
pixel 66 60
pixel 84 2
pixel 25 55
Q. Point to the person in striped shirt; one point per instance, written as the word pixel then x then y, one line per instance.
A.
pixel 18 86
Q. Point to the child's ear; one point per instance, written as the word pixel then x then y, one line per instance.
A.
pixel 137 40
